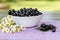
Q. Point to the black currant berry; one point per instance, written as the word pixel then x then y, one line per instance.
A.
pixel 9 12
pixel 13 10
pixel 40 13
pixel 24 12
pixel 54 30
pixel 51 26
pixel 43 25
pixel 35 9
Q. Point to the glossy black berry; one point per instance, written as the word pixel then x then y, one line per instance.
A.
pixel 51 27
pixel 43 25
pixel 44 29
pixel 19 15
pixel 24 12
pixel 13 10
pixel 18 11
pixel 13 14
pixel 35 9
pixel 47 27
pixel 40 13
pixel 54 30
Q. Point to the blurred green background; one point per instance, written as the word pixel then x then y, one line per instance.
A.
pixel 43 5
pixel 51 8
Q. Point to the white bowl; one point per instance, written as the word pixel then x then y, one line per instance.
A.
pixel 27 21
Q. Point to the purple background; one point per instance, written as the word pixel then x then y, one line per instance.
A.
pixel 33 34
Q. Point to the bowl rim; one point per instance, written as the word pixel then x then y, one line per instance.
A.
pixel 30 16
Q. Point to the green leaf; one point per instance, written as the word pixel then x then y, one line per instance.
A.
pixel 14 24
pixel 0 21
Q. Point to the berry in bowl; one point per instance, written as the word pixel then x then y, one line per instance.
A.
pixel 26 16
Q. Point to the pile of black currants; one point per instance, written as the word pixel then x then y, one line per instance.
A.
pixel 44 27
pixel 24 12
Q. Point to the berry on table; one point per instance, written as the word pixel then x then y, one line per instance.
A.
pixel 44 27
pixel 54 30
pixel 51 26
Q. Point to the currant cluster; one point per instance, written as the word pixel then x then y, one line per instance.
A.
pixel 24 12
pixel 45 27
